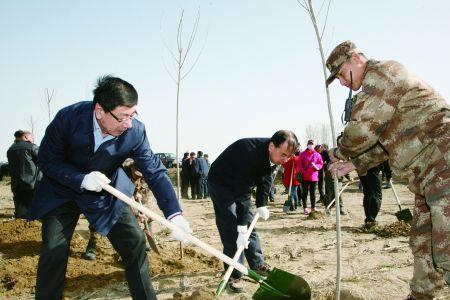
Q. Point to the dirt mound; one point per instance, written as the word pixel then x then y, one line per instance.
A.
pixel 20 246
pixel 315 215
pixel 201 294
pixel 398 228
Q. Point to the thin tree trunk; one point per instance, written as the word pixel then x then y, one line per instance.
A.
pixel 333 134
pixel 177 131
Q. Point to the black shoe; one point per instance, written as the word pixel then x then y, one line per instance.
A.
pixel 342 212
pixel 370 225
pixel 263 269
pixel 388 185
pixel 90 253
pixel 236 285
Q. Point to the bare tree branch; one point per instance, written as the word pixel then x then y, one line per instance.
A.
pixel 302 5
pixel 167 70
pixel 326 19
pixel 180 33
pixel 32 125
pixel 192 37
pixel 49 100
pixel 196 60
pixel 180 59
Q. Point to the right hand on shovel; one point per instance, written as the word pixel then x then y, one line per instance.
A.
pixel 242 239
pixel 182 223
pixel 94 181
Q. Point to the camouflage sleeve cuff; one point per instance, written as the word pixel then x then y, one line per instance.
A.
pixel 361 168
pixel 338 154
pixel 369 159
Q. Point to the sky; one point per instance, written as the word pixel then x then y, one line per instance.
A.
pixel 258 69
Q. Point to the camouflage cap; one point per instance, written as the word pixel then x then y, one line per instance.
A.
pixel 338 57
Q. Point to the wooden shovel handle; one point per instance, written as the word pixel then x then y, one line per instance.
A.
pixel 121 196
pixel 241 248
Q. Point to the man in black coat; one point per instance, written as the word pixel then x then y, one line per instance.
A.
pixel 22 159
pixel 184 176
pixel 245 164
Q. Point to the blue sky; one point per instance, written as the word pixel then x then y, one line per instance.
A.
pixel 259 70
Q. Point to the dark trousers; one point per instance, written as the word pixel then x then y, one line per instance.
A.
pixel 320 183
pixel 311 186
pixel 371 184
pixel 299 192
pixel 226 221
pixel 193 182
pixel 386 169
pixel 22 200
pixel 125 236
pixel 184 186
pixel 329 191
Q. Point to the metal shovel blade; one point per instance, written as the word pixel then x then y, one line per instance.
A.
pixel 151 242
pixel 404 215
pixel 282 285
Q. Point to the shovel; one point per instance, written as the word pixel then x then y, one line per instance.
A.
pixel 402 214
pixel 238 253
pixel 278 285
pixel 150 239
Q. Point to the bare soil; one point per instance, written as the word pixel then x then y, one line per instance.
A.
pixel 376 263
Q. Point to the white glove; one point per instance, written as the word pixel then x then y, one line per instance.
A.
pixel 242 236
pixel 94 181
pixel 182 223
pixel 263 212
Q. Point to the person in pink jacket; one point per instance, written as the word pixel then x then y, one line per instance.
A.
pixel 309 164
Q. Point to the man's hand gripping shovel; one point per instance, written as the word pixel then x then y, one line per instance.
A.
pixel 278 285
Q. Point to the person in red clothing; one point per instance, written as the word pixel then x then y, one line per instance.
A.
pixel 309 164
pixel 290 180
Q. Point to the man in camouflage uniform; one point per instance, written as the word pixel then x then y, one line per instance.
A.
pixel 397 116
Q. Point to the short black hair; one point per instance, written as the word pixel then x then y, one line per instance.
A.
pixel 282 136
pixel 111 92
pixel 19 133
pixel 192 154
pixel 199 153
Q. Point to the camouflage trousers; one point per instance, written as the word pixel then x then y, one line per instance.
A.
pixel 430 237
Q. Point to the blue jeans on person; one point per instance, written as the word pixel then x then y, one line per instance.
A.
pixel 202 187
pixel 294 196
pixel 126 237
pixel 226 221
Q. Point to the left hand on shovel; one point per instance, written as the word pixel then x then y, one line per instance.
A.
pixel 341 168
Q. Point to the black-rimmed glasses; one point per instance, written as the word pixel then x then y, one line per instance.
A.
pixel 131 117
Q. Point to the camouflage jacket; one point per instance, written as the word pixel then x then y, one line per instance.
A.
pixel 397 116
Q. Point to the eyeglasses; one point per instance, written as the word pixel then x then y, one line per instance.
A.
pixel 131 117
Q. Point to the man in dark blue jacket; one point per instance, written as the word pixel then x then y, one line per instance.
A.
pixel 83 149
pixel 244 165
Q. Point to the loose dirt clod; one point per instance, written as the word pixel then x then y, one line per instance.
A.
pixel 201 294
pixel 398 228
pixel 315 215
